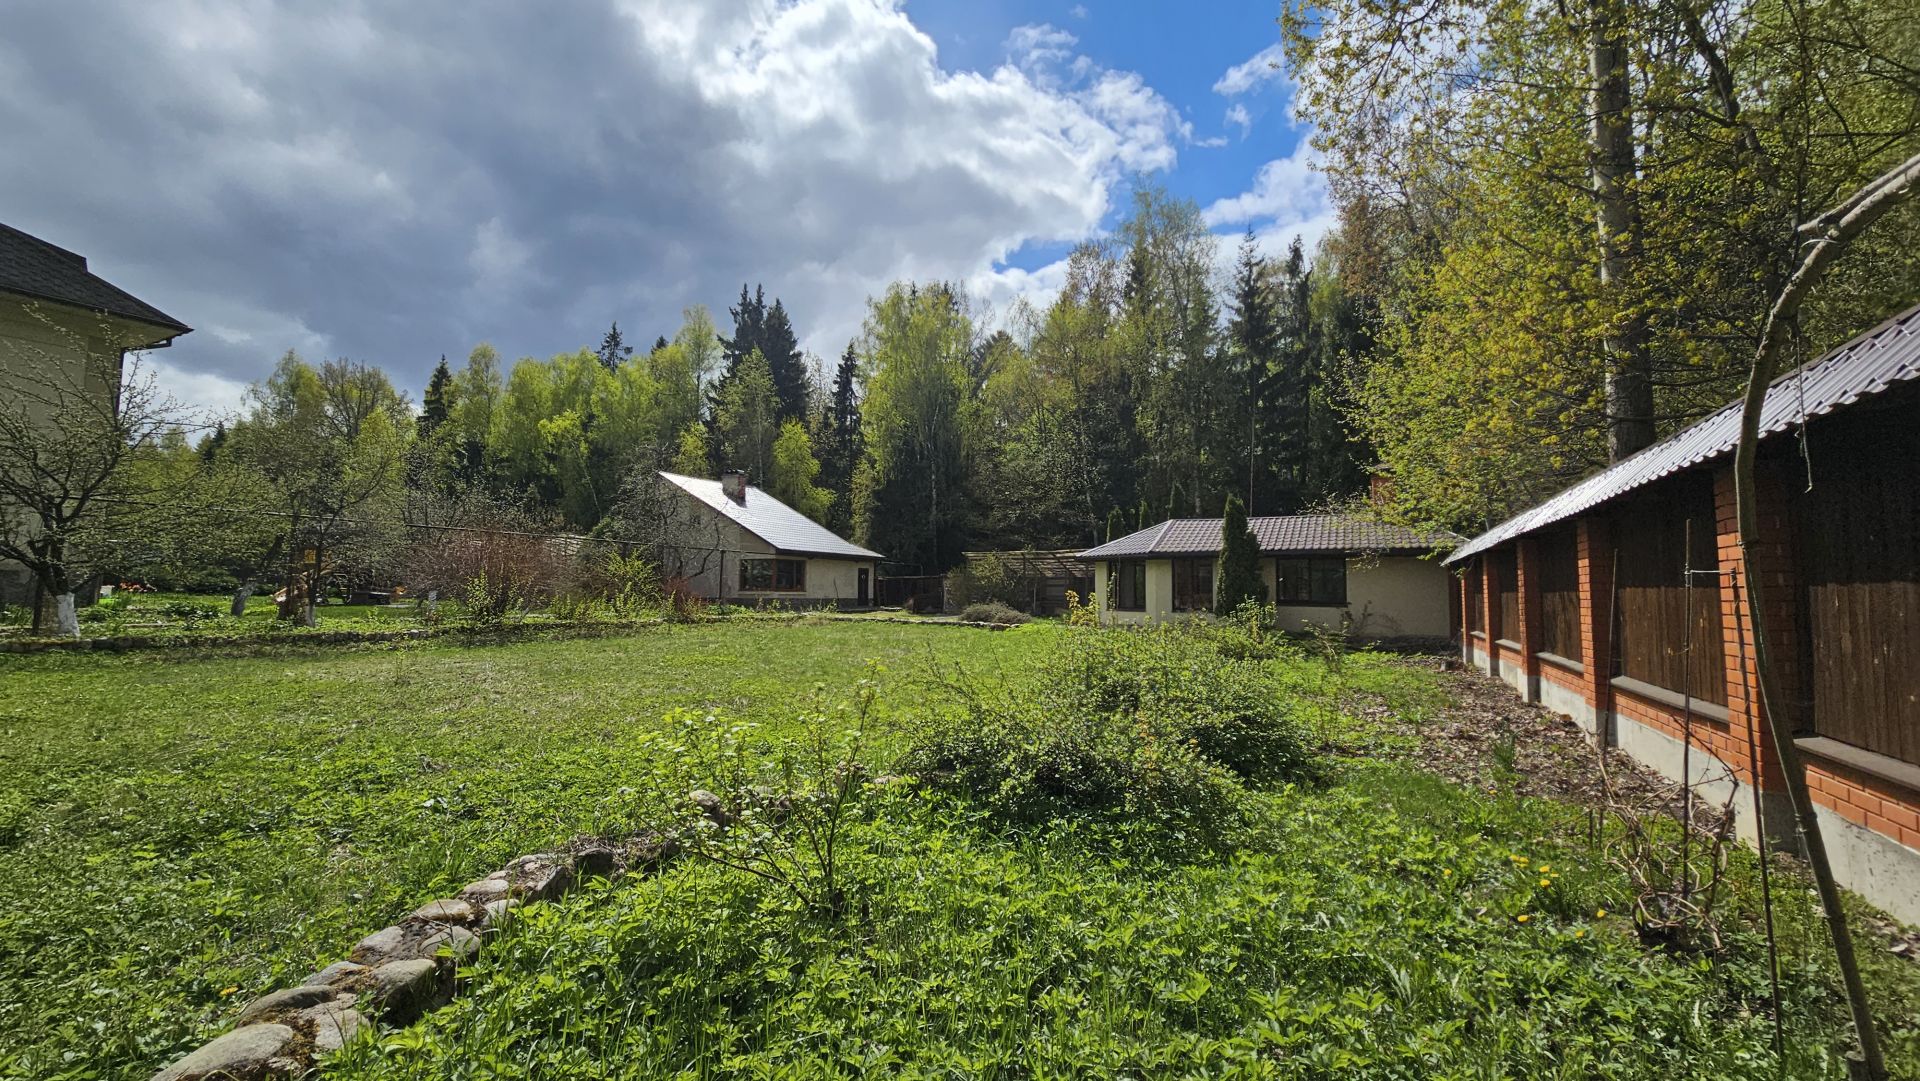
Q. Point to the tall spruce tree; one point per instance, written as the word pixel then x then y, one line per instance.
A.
pixel 613 348
pixel 437 402
pixel 1239 577
pixel 781 347
pixel 1253 341
pixel 1287 392
pixel 840 450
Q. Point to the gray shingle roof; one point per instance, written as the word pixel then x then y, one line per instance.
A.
pixel 786 529
pixel 1883 357
pixel 32 267
pixel 1284 533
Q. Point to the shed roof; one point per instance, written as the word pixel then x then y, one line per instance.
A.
pixel 31 267
pixel 1883 357
pixel 760 514
pixel 1281 533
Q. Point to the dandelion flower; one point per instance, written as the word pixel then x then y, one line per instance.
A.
pixel 1600 914
pixel 1544 882
pixel 1523 917
pixel 1447 871
pixel 1544 868
pixel 225 991
pixel 1581 933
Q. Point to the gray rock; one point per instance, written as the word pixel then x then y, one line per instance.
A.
pixel 336 974
pixel 287 1000
pixel 500 912
pixel 413 941
pixel 403 990
pixel 458 941
pixel 331 1024
pixel 595 861
pixel 455 910
pixel 256 1051
pixel 711 806
pixel 542 876
pixel 489 889
pixel 386 944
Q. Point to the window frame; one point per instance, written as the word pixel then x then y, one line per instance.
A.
pixel 1184 592
pixel 1136 568
pixel 774 566
pixel 1312 571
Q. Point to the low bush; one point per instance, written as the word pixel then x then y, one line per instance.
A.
pixel 1157 722
pixel 993 612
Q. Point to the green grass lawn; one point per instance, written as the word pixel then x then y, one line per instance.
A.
pixel 172 826
pixel 176 827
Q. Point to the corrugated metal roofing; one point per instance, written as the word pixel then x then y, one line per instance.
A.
pixel 32 267
pixel 786 529
pixel 1282 533
pixel 1882 357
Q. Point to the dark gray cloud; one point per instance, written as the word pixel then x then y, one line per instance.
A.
pixel 394 181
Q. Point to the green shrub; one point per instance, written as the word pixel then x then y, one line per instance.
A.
pixel 1155 722
pixel 993 612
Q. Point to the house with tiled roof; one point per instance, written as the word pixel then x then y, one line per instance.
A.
pixel 1340 572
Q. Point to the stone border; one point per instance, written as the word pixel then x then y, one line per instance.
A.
pixel 398 973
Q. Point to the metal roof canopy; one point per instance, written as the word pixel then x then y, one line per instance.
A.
pixel 1883 357
pixel 786 529
pixel 1275 534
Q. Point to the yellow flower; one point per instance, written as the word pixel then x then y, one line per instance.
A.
pixel 225 991
pixel 1544 882
pixel 1600 914
pixel 1523 917
pixel 1544 868
pixel 1447 871
pixel 1581 933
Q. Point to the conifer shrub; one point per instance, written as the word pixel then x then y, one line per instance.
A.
pixel 1240 581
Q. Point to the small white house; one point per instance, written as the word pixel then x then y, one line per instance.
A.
pixel 1336 571
pixel 733 542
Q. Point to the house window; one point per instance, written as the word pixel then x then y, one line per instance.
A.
pixel 773 575
pixel 1314 580
pixel 1192 585
pixel 1129 585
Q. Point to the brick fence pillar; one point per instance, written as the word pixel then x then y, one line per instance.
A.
pixel 1594 549
pixel 1780 617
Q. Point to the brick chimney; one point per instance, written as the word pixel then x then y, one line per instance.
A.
pixel 734 483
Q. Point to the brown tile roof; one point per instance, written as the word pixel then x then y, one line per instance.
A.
pixel 1284 533
pixel 31 267
pixel 1883 357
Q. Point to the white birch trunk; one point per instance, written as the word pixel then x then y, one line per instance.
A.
pixel 66 623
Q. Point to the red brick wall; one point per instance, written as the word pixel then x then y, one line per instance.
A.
pixel 1879 805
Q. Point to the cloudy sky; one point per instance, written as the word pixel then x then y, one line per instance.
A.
pixel 394 181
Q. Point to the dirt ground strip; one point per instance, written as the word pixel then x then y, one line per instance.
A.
pixel 1552 757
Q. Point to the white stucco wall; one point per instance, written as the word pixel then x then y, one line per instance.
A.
pixel 717 544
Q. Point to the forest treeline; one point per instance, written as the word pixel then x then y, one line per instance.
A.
pixel 1153 385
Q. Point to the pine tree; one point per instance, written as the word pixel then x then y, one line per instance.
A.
pixel 1115 523
pixel 1239 575
pixel 613 349
pixel 437 402
pixel 1285 395
pixel 660 343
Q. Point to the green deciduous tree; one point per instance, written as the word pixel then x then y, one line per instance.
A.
pixel 794 470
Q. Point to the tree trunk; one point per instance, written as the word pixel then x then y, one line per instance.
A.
pixel 1629 381
pixel 66 623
